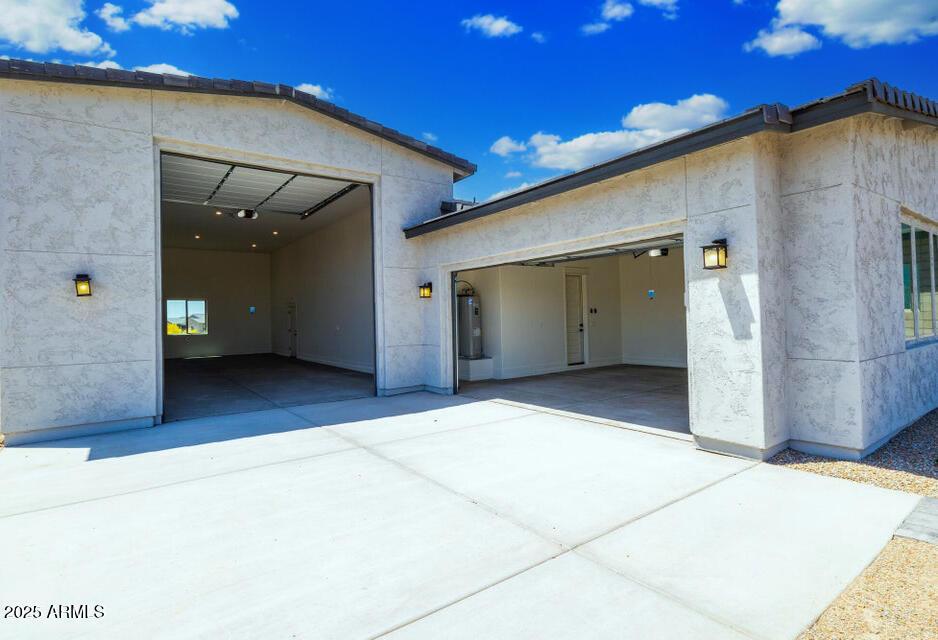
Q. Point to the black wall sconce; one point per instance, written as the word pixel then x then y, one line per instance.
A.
pixel 82 285
pixel 714 254
pixel 426 290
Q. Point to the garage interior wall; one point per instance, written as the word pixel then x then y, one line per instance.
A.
pixel 328 275
pixel 230 282
pixel 523 313
pixel 654 332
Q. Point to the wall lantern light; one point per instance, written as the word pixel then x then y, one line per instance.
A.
pixel 426 290
pixel 714 255
pixel 82 285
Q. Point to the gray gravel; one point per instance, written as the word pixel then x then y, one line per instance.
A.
pixel 908 462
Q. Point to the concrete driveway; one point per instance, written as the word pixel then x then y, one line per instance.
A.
pixel 423 516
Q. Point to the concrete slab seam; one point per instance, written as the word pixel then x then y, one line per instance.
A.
pixel 564 548
pixel 333 429
pixel 180 482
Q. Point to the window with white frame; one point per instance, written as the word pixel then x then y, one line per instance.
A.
pixel 186 318
pixel 919 250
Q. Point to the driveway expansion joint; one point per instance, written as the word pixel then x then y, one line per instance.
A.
pixel 565 548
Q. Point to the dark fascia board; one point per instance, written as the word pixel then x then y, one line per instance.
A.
pixel 870 96
pixel 745 124
pixel 77 74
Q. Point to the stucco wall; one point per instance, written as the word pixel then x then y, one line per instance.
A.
pixel 717 193
pixel 852 382
pixel 894 168
pixel 79 194
pixel 327 274
pixel 800 338
pixel 230 282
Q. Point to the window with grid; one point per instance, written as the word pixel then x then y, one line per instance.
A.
pixel 919 249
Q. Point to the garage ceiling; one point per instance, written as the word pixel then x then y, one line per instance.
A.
pixel 227 186
pixel 289 205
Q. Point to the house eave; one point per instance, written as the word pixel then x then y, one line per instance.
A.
pixel 870 96
pixel 78 74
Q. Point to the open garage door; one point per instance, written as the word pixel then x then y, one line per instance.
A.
pixel 267 288
pixel 599 332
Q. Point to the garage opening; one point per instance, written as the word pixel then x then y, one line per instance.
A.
pixel 267 288
pixel 600 333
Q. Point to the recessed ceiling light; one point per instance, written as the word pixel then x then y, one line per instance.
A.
pixel 276 233
pixel 253 246
pixel 198 237
pixel 218 213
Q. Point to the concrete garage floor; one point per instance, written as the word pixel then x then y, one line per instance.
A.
pixel 197 387
pixel 424 516
pixel 648 398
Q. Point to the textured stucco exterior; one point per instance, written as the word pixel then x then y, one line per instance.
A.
pixel 800 341
pixel 80 194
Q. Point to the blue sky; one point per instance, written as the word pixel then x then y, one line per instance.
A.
pixel 562 84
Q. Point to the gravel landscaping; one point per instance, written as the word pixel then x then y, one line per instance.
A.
pixel 909 462
pixel 895 598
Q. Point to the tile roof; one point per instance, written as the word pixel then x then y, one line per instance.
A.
pixel 887 94
pixel 52 72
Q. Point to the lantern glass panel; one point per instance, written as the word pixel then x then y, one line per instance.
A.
pixel 82 285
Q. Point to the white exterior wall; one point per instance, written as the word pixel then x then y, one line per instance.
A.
pixel 799 339
pixel 327 274
pixel 852 381
pixel 727 191
pixel 79 194
pixel 230 282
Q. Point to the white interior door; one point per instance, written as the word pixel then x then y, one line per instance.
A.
pixel 575 328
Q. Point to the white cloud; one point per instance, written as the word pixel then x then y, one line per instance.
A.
pixel 163 67
pixel 783 41
pixel 513 174
pixel 106 64
pixel 538 37
pixel 505 146
pixel 645 124
pixel 668 7
pixel 321 92
pixel 689 113
pixel 858 24
pixel 505 192
pixel 594 28
pixel 611 11
pixel 429 136
pixel 187 15
pixel 614 11
pixel 617 11
pixel 551 152
pixel 40 26
pixel 111 14
pixel 491 26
